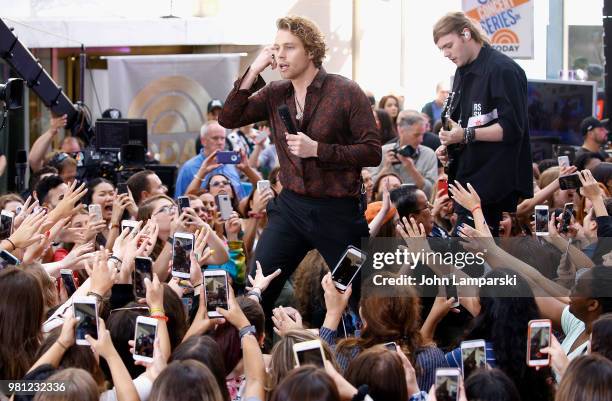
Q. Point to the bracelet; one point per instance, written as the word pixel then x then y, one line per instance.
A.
pixel 159 317
pixel 12 244
pixel 475 208
pixel 198 177
pixel 469 135
pixel 97 296
pixel 61 345
pixel 255 294
pixel 157 310
pixel 116 258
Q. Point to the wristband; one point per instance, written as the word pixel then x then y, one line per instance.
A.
pixel 113 257
pixel 159 317
pixel 198 177
pixel 255 294
pixel 475 208
pixel 246 330
pixel 157 310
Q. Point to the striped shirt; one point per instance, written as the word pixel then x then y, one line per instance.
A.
pixel 428 358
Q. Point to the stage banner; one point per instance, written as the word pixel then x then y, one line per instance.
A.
pixel 172 93
pixel 507 23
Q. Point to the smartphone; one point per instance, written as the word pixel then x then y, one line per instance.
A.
pixel 391 346
pixel 538 337
pixel 143 267
pixel 568 212
pixel 443 186
pixel 131 224
pixel 183 202
pixel 68 280
pixel 216 290
pixel 451 291
pixel 122 188
pixel 348 267
pixel 228 157
pixel 563 161
pixel 261 136
pixel 309 353
pixel 181 248
pixel 144 338
pixel 85 309
pixel 6 224
pixel 447 384
pixel 95 212
pixel 7 258
pixel 541 220
pixel 571 181
pixel 473 356
pixel 224 204
pixel 262 185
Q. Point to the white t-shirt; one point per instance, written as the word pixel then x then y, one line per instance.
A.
pixel 573 328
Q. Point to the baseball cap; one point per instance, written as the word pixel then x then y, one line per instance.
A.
pixel 213 104
pixel 591 122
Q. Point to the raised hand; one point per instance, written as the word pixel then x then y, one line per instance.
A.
pixel 261 282
pixel 468 198
pixel 28 232
pixel 283 322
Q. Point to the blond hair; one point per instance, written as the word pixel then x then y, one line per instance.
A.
pixel 309 33
pixel 457 22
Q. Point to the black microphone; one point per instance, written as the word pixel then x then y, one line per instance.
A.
pixel 285 115
pixel 20 167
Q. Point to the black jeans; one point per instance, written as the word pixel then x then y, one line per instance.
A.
pixel 297 224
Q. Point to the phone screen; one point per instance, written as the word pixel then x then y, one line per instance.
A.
pixel 310 357
pixel 447 387
pixel 451 291
pixel 182 247
pixel 569 181
pixel 6 259
pixel 539 337
pixel 216 292
pixel 541 220
pixel 443 186
pixel 183 202
pixel 568 211
pixel 6 223
pixel 145 338
pixel 88 322
pixel 347 267
pixel 472 359
pixel 69 284
pixel 142 269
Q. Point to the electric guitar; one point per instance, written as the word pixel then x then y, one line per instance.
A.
pixel 453 150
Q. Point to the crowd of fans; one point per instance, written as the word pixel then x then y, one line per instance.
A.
pixel 566 275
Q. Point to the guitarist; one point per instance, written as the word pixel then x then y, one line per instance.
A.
pixel 486 142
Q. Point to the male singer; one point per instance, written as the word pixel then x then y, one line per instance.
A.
pixel 489 143
pixel 320 167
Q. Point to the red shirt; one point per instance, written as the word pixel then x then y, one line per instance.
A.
pixel 337 114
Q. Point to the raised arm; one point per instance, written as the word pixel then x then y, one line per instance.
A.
pixel 36 158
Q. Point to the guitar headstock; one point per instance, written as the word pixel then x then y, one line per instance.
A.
pixel 446 109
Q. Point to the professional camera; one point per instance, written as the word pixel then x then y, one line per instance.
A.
pixel 11 93
pixel 406 151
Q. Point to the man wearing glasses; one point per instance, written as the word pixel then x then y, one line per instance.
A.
pixel 204 165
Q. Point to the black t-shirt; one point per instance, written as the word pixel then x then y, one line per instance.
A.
pixel 493 89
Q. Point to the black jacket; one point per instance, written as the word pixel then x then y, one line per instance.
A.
pixel 493 89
